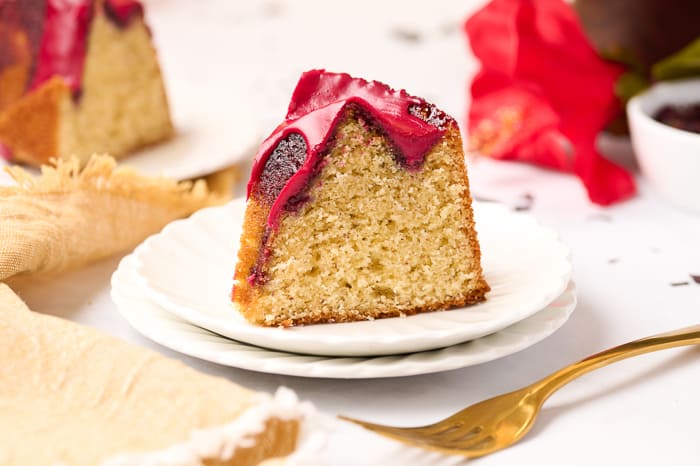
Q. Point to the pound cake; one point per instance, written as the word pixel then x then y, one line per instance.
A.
pixel 78 77
pixel 72 396
pixel 358 208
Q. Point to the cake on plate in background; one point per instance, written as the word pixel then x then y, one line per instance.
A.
pixel 358 208
pixel 78 77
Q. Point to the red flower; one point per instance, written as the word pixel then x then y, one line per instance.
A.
pixel 543 93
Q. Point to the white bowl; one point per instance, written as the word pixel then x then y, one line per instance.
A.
pixel 668 157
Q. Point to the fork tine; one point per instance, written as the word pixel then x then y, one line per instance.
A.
pixel 404 435
pixel 397 431
pixel 435 434
pixel 444 426
pixel 456 433
pixel 471 447
pixel 417 436
pixel 477 442
pixel 483 449
pixel 437 429
pixel 371 426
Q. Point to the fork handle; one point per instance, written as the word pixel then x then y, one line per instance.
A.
pixel 683 337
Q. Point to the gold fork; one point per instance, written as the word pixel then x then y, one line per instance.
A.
pixel 497 423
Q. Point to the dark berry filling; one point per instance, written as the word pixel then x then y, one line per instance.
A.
pixel 284 161
pixel 685 117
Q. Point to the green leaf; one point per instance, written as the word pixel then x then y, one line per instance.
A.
pixel 630 84
pixel 682 64
pixel 625 56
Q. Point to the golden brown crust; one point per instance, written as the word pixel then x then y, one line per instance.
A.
pixel 254 224
pixel 454 139
pixel 14 64
pixel 30 126
pixel 473 297
pixel 278 439
pixel 11 83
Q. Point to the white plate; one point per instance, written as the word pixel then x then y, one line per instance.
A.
pixel 208 138
pixel 170 331
pixel 187 268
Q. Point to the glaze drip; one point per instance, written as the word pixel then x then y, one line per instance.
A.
pixel 121 12
pixel 56 33
pixel 63 43
pixel 320 99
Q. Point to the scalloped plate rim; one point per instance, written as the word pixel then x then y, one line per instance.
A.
pixel 137 309
pixel 352 343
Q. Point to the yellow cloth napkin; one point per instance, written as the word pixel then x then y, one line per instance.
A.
pixel 10 302
pixel 73 396
pixel 68 216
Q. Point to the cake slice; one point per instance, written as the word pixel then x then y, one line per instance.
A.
pixel 358 208
pixel 78 77
pixel 72 396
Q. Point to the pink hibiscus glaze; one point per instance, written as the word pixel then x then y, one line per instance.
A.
pixel 314 111
pixel 63 43
pixel 543 94
pixel 123 11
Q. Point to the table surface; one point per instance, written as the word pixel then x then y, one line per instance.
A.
pixel 626 258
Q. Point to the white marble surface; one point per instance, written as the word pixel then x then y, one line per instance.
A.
pixel 642 411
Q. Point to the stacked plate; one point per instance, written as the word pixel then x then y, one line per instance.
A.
pixel 175 289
